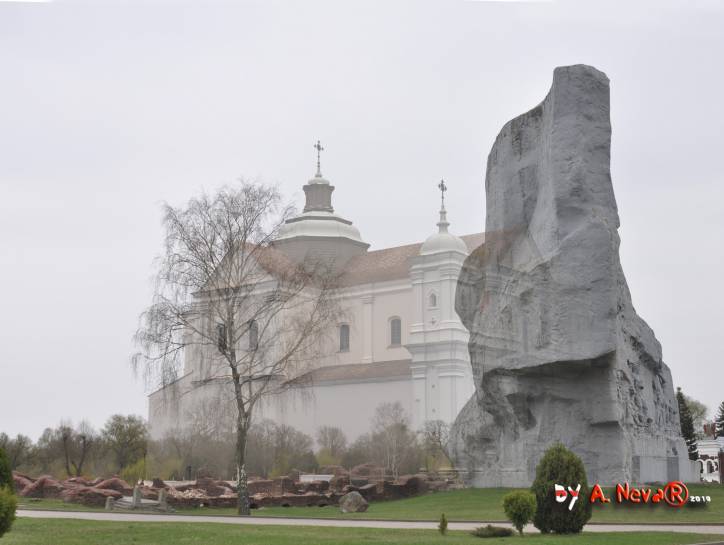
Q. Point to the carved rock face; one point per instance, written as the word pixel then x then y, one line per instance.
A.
pixel 557 349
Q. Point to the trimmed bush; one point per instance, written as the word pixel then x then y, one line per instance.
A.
pixel 443 524
pixel 8 504
pixel 6 474
pixel 492 531
pixel 519 507
pixel 560 466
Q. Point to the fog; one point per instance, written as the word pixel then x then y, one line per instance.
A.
pixel 107 110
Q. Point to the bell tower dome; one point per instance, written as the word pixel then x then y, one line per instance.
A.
pixel 318 232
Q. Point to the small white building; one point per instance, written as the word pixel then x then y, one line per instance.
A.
pixel 708 462
pixel 400 340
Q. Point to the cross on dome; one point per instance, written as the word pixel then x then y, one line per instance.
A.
pixel 443 188
pixel 443 223
pixel 320 149
pixel 443 241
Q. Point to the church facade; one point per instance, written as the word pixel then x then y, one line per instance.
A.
pixel 399 340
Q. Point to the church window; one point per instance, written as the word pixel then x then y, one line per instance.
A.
pixel 432 300
pixel 221 337
pixel 253 335
pixel 395 332
pixel 344 338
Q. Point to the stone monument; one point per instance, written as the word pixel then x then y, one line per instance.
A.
pixel 557 350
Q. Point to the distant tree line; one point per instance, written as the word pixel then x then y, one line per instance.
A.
pixel 69 450
pixel 207 446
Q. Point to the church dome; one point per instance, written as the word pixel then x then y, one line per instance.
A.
pixel 319 223
pixel 443 241
pixel 318 179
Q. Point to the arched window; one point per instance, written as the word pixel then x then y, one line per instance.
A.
pixel 432 300
pixel 253 335
pixel 221 337
pixel 395 331
pixel 344 338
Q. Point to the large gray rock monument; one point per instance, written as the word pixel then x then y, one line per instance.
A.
pixel 557 350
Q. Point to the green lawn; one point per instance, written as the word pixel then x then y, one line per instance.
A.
pixel 77 532
pixel 472 504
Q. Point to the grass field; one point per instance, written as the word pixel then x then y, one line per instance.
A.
pixel 77 532
pixel 473 504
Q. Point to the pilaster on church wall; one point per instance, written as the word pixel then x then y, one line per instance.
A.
pixel 368 316
pixel 417 277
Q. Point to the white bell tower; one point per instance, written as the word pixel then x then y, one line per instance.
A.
pixel 438 341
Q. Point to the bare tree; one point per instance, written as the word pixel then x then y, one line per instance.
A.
pixel 18 449
pixel 391 435
pixel 205 441
pixel 332 440
pixel 251 319
pixel 699 413
pixel 76 444
pixel 435 437
pixel 127 438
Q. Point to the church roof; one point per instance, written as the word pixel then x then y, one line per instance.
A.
pixel 360 372
pixel 391 263
pixel 375 266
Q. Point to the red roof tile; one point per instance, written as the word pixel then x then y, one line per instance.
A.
pixel 391 263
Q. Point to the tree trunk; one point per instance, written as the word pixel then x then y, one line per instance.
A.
pixel 243 503
pixel 66 438
pixel 79 466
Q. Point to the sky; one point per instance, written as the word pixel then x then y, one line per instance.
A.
pixel 108 110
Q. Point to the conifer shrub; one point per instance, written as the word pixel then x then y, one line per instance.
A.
pixel 6 474
pixel 8 504
pixel 560 466
pixel 443 524
pixel 519 507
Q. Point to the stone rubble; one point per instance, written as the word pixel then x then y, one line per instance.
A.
pixel 115 493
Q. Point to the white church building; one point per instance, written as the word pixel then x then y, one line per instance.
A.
pixel 400 339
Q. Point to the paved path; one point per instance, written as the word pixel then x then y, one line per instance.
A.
pixel 349 523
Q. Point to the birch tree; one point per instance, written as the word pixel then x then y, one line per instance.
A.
pixel 250 319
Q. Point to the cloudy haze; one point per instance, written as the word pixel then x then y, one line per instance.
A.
pixel 106 110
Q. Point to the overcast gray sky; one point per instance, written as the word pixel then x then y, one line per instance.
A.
pixel 107 109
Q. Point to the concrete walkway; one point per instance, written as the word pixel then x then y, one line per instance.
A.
pixel 348 523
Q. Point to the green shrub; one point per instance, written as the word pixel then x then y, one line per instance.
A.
pixel 492 531
pixel 8 504
pixel 134 472
pixel 443 524
pixel 519 507
pixel 560 466
pixel 6 474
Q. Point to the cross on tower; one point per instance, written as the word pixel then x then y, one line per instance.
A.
pixel 443 188
pixel 320 149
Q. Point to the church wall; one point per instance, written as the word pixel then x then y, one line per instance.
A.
pixel 352 310
pixel 388 305
pixel 438 392
pixel 369 309
pixel 349 406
